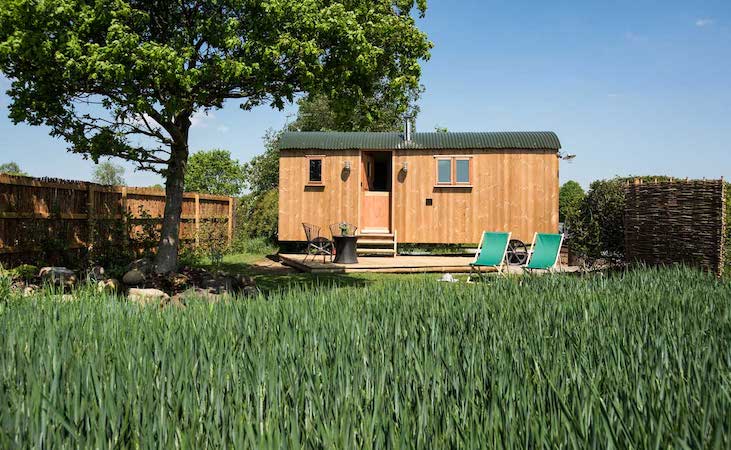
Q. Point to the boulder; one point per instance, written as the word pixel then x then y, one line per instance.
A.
pixel 147 296
pixel 60 276
pixel 144 265
pixel 134 277
pixel 196 294
pixel 30 290
pixel 111 285
pixel 245 280
pixel 179 281
pixel 220 284
pixel 96 273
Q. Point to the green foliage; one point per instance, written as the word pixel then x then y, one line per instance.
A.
pixel 438 129
pixel 569 200
pixel 108 174
pixel 262 172
pixel 24 272
pixel 727 243
pixel 597 231
pixel 252 245
pixel 634 360
pixel 147 67
pixel 12 168
pixel 257 216
pixel 214 172
pixel 377 112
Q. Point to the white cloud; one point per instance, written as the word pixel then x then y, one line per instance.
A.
pixel 140 121
pixel 704 22
pixel 200 119
pixel 223 128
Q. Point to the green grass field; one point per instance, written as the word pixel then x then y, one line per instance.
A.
pixel 639 360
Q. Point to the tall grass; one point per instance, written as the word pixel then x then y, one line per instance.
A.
pixel 639 360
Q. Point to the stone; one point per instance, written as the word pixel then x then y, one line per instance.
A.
pixel 111 286
pixel 134 277
pixel 144 265
pixel 96 273
pixel 30 290
pixel 197 294
pixel 220 285
pixel 179 281
pixel 147 296
pixel 245 280
pixel 249 291
pixel 60 276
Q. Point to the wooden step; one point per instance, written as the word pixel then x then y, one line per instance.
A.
pixel 376 251
pixel 370 241
pixel 376 235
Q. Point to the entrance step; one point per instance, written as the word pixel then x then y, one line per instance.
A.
pixel 377 244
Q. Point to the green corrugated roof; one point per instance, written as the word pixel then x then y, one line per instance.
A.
pixel 326 140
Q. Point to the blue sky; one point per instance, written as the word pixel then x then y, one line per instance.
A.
pixel 631 87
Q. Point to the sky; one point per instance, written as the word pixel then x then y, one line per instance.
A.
pixel 631 87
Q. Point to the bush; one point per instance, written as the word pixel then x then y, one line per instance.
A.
pixel 24 272
pixel 255 246
pixel 258 216
pixel 569 200
pixel 597 230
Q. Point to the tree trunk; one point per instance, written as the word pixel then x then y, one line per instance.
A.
pixel 166 260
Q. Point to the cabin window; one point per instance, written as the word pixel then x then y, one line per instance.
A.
pixel 315 170
pixel 444 171
pixel 453 170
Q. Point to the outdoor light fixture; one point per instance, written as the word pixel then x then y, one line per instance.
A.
pixel 346 166
pixel 566 156
pixel 405 167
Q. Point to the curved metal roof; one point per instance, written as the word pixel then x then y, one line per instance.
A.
pixel 326 140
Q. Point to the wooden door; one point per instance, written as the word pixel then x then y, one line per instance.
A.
pixel 375 206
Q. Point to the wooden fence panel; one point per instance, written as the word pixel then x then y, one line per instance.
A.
pixel 676 222
pixel 36 214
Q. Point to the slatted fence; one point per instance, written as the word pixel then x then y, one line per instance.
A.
pixel 676 222
pixel 68 216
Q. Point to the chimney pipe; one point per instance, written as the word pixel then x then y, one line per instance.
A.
pixel 407 128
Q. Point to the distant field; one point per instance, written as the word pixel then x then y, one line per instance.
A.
pixel 637 360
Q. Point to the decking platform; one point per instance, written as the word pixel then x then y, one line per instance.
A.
pixel 396 264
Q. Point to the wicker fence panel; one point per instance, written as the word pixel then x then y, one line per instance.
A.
pixel 676 222
pixel 66 216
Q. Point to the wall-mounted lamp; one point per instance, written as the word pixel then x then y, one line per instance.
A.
pixel 346 166
pixel 405 167
pixel 566 156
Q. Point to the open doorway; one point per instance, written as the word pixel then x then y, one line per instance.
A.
pixel 376 186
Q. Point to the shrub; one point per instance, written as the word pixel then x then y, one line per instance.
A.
pixel 597 230
pixel 258 215
pixel 24 272
pixel 569 200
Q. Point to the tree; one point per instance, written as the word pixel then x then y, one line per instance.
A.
pixel 12 168
pixel 214 172
pixel 438 129
pixel 378 112
pixel 261 174
pixel 108 174
pixel 123 77
pixel 569 200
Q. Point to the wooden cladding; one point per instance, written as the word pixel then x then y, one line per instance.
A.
pixel 34 211
pixel 508 190
pixel 676 222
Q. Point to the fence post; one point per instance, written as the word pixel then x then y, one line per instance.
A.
pixel 197 219
pixel 230 220
pixel 90 214
pixel 125 222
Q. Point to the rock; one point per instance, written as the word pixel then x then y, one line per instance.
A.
pixel 59 276
pixel 144 265
pixel 197 294
pixel 134 277
pixel 220 285
pixel 111 285
pixel 249 291
pixel 30 290
pixel 96 273
pixel 179 281
pixel 147 296
pixel 245 280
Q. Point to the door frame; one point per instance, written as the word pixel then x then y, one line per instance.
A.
pixel 361 190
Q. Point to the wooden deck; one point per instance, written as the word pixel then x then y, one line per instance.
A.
pixel 397 264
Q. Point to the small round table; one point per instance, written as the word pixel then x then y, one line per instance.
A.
pixel 345 249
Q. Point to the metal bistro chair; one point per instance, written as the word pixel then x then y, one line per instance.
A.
pixel 316 244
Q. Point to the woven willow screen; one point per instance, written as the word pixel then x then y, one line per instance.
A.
pixel 676 222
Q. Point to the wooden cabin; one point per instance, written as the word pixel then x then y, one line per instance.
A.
pixel 435 188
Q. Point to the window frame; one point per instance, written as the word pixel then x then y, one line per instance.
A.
pixel 453 171
pixel 309 159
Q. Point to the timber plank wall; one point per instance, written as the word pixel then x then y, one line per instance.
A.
pixel 676 222
pixel 69 215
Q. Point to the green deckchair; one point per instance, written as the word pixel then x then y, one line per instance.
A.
pixel 491 252
pixel 545 252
